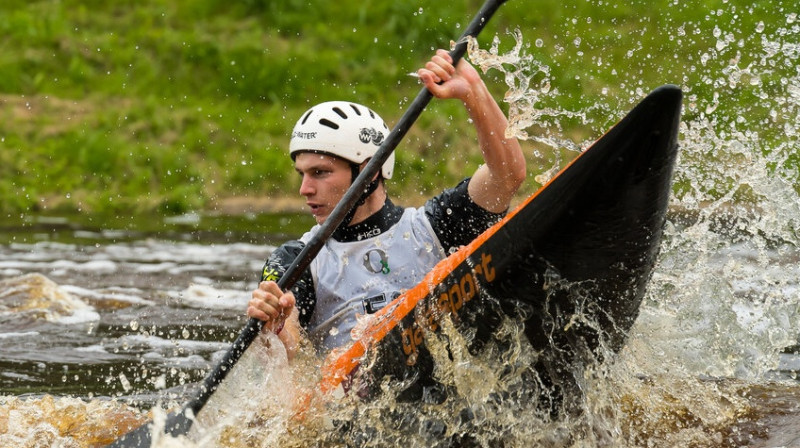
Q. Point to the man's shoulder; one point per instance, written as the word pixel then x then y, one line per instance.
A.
pixel 456 218
pixel 452 204
pixel 306 237
pixel 287 252
pixel 453 195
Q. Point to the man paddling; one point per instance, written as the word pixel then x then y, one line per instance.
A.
pixel 380 249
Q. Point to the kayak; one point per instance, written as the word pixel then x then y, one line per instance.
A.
pixel 572 262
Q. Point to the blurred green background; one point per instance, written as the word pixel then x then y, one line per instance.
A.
pixel 171 106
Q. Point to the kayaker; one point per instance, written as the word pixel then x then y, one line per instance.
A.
pixel 381 249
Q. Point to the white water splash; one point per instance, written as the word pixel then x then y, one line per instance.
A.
pixel 529 83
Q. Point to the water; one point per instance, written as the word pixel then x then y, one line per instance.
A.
pixel 136 322
pixel 134 318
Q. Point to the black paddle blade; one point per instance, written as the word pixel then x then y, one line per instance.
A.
pixel 177 424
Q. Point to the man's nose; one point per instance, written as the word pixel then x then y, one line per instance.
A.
pixel 306 186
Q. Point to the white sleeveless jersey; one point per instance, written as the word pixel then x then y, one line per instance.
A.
pixel 360 277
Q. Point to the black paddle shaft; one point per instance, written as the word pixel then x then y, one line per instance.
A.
pixel 180 422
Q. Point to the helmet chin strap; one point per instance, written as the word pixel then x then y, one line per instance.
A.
pixel 355 169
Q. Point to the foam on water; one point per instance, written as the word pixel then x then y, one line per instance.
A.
pixel 16 335
pixel 206 296
pixel 67 422
pixel 129 296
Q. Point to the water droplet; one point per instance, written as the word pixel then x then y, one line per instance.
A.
pixel 134 325
pixel 126 385
pixel 185 333
pixel 760 27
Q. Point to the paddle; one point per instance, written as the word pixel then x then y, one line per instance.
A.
pixel 179 423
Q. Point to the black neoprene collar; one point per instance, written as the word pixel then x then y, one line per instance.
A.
pixel 374 225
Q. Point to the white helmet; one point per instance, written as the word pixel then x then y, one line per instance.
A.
pixel 347 130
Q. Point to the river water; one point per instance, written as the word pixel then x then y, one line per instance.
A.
pixel 109 319
pixel 104 326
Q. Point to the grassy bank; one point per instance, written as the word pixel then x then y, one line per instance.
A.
pixel 176 105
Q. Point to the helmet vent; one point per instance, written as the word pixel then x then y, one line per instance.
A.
pixel 340 113
pixel 328 123
pixel 355 109
pixel 306 117
pixel 371 114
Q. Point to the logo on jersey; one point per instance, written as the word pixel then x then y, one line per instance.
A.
pixel 269 274
pixel 377 262
pixel 375 303
pixel 369 234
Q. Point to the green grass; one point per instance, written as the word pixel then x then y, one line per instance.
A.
pixel 168 106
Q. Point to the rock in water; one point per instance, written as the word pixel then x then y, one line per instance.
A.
pixel 36 297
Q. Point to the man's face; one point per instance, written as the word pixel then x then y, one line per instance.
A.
pixel 325 179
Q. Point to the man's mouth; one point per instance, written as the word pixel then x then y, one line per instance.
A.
pixel 316 209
